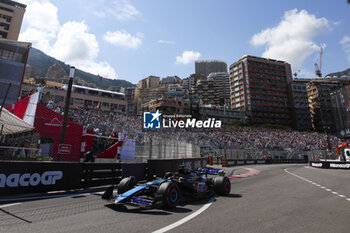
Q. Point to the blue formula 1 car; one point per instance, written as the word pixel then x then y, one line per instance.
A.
pixel 170 190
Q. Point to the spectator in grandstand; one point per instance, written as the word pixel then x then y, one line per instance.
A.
pixel 50 105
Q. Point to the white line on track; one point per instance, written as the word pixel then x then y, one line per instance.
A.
pixel 7 205
pixel 186 219
pixel 317 185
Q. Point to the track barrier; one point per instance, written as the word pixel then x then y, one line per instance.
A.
pixel 230 162
pixel 330 164
pixel 18 178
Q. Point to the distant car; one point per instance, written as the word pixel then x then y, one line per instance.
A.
pixel 168 191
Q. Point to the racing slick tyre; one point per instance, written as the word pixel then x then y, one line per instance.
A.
pixel 169 193
pixel 126 184
pixel 222 185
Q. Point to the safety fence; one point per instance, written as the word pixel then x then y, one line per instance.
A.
pixel 18 178
pixel 166 149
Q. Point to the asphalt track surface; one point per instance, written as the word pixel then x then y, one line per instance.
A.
pixel 281 198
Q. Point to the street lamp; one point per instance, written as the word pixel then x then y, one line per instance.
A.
pixel 66 108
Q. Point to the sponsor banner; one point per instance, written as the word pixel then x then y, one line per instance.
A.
pixel 36 177
pixel 260 161
pixel 64 148
pixel 316 164
pixel 240 162
pixel 340 165
pixel 231 162
pixel 334 165
pixel 250 162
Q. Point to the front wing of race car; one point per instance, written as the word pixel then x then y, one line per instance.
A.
pixel 135 195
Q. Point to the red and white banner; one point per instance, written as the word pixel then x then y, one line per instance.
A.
pixel 26 108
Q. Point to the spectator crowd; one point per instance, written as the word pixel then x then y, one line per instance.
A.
pixel 107 123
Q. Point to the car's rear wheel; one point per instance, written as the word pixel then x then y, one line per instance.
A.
pixel 126 184
pixel 222 185
pixel 170 194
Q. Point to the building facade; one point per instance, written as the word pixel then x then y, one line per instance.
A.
pixel 170 105
pixel 261 88
pixel 130 99
pixel 340 100
pixel 149 82
pixel 191 81
pixel 206 67
pixel 11 17
pixel 226 115
pixel 209 92
pixel 223 81
pixel 170 80
pixel 144 95
pixel 13 57
pixel 319 97
pixel 82 97
pixel 301 104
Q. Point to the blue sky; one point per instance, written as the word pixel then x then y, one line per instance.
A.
pixel 132 39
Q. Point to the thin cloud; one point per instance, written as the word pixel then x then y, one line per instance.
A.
pixel 165 42
pixel 291 40
pixel 345 42
pixel 124 39
pixel 122 10
pixel 187 57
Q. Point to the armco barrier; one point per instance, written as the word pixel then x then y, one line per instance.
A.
pixel 231 163
pixel 97 174
pixel 158 167
pixel 139 170
pixel 35 177
pixel 331 165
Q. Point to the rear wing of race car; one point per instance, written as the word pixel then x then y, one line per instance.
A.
pixel 207 171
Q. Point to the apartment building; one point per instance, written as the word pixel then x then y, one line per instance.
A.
pixel 11 17
pixel 261 88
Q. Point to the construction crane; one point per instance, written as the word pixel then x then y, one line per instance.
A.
pixel 318 69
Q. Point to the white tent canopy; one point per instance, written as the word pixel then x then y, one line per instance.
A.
pixel 11 124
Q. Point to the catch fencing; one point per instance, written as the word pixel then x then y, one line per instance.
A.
pixel 166 149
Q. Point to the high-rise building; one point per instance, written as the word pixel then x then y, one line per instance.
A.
pixel 11 17
pixel 319 96
pixel 208 90
pixel 340 100
pixel 191 81
pixel 149 82
pixel 223 81
pixel 206 67
pixel 262 89
pixel 301 104
pixel 170 80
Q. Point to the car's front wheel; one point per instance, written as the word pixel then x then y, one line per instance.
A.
pixel 170 194
pixel 126 184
